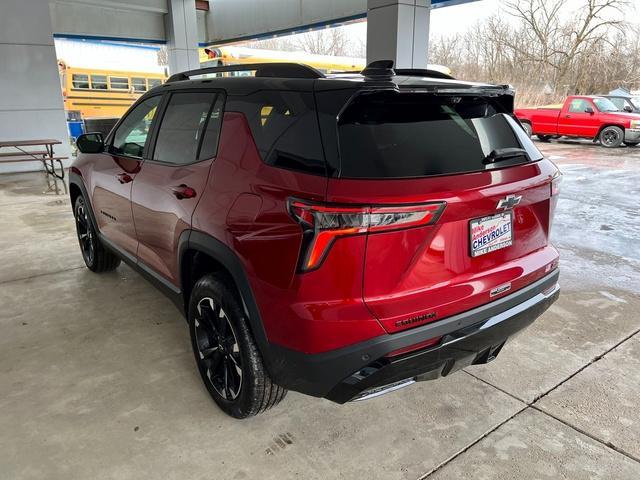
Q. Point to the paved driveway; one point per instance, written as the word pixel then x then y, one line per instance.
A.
pixel 97 379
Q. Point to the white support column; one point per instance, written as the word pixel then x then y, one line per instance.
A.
pixel 398 30
pixel 181 26
pixel 31 105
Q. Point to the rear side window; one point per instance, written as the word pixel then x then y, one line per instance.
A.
pixel 188 116
pixel 284 127
pixel 403 135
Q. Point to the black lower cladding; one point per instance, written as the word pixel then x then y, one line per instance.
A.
pixel 469 338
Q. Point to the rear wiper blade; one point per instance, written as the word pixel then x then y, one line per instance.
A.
pixel 503 153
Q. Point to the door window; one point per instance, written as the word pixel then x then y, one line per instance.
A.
pixel 131 135
pixel 209 146
pixel 185 120
pixel 578 105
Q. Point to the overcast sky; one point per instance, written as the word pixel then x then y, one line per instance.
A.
pixel 459 18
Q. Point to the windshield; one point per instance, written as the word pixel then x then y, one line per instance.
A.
pixel 605 105
pixel 635 101
pixel 402 135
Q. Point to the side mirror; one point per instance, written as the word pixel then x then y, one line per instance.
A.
pixel 589 110
pixel 90 143
pixel 628 108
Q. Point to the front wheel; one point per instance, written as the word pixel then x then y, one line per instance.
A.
pixel 226 354
pixel 527 129
pixel 96 257
pixel 611 137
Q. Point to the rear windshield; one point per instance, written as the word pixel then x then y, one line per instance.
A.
pixel 400 135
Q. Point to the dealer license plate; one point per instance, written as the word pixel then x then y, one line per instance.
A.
pixel 491 233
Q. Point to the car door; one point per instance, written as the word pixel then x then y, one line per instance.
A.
pixel 576 121
pixel 114 171
pixel 170 182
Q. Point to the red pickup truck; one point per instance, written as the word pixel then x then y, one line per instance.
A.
pixel 585 117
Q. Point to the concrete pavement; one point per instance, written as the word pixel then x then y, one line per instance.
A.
pixel 97 378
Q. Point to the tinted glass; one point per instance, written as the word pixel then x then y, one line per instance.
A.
pixel 132 133
pixel 139 84
pixel 285 128
pixel 209 146
pixel 119 83
pixel 99 82
pixel 80 80
pixel 182 126
pixel 390 135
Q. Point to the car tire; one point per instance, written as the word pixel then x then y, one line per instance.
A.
pixel 96 256
pixel 611 137
pixel 226 354
pixel 631 144
pixel 544 138
pixel 527 129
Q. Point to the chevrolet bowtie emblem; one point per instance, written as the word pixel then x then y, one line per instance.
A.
pixel 509 201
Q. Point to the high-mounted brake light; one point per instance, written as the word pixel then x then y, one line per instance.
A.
pixel 322 224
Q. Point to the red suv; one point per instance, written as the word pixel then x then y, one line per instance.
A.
pixel 338 235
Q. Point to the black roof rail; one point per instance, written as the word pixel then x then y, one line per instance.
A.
pixel 423 72
pixel 279 70
pixel 379 68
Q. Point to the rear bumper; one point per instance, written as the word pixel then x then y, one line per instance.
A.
pixel 363 370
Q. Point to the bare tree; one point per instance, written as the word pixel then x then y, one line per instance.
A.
pixel 547 54
pixel 554 42
pixel 330 41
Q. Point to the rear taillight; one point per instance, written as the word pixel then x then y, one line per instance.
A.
pixel 322 224
pixel 555 183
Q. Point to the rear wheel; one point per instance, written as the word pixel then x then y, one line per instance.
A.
pixel 226 354
pixel 544 138
pixel 527 129
pixel 611 137
pixel 96 257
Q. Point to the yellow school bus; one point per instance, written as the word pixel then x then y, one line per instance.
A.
pixel 232 55
pixel 91 93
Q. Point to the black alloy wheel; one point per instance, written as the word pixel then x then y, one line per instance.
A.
pixel 96 257
pixel 225 351
pixel 611 137
pixel 85 232
pixel 218 349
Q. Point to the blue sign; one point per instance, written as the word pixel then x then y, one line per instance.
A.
pixel 448 3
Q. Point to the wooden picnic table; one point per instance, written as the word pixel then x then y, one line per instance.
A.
pixel 44 154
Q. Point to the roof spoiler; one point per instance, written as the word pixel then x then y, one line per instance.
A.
pixel 279 70
pixel 384 68
pixel 379 68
